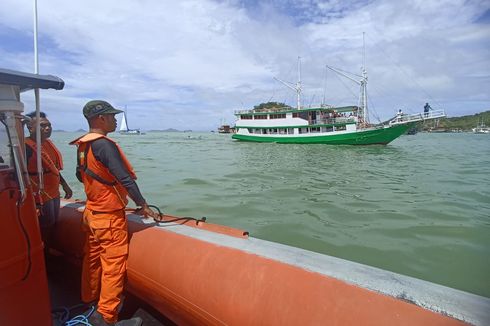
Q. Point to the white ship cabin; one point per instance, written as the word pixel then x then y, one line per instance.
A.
pixel 290 121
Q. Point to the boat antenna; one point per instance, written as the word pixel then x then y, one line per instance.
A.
pixel 363 50
pixel 38 107
pixel 297 87
pixel 364 103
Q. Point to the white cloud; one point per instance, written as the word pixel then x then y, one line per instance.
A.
pixel 196 61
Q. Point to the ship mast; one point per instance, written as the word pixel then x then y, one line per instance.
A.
pixel 297 87
pixel 363 105
pixel 363 100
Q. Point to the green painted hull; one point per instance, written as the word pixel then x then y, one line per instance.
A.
pixel 366 137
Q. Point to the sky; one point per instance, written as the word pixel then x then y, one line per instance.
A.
pixel 190 64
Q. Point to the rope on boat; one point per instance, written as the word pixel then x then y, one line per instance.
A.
pixel 61 316
pixel 185 218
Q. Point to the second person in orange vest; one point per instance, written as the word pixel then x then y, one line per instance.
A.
pixel 109 179
pixel 48 198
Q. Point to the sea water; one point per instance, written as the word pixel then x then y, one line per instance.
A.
pixel 419 206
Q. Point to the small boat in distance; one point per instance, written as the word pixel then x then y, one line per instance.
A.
pixel 481 128
pixel 226 129
pixel 124 129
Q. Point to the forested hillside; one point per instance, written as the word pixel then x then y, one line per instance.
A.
pixel 466 122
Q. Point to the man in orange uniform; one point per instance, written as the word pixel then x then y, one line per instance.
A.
pixel 108 178
pixel 48 199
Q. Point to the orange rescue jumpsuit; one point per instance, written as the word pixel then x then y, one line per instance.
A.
pixel 52 164
pixel 49 198
pixel 104 220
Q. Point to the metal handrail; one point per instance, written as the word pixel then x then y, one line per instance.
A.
pixel 405 118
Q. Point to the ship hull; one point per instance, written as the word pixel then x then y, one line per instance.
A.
pixel 373 136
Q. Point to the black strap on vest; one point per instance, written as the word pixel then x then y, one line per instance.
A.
pixel 83 167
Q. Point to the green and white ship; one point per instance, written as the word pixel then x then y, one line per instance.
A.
pixel 325 124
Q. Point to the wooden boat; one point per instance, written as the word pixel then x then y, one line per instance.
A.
pixel 197 273
pixel 226 129
pixel 322 125
pixel 347 125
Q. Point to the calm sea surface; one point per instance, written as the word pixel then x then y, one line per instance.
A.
pixel 419 206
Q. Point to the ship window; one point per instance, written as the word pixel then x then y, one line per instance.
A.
pixel 340 128
pixel 327 129
pixel 246 117
pixel 315 129
pixel 295 114
pixel 277 116
pixel 290 131
pixel 303 115
pixel 282 131
pixel 264 131
pixel 260 117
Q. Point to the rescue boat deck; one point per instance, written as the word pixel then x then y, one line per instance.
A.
pixel 64 289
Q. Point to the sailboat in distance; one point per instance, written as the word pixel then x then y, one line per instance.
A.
pixel 124 129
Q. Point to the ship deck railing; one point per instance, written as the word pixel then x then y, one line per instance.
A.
pixel 406 118
pixel 333 121
pixel 264 110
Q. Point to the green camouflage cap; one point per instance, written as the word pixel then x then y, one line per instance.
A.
pixel 96 107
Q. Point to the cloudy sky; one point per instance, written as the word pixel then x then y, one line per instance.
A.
pixel 189 64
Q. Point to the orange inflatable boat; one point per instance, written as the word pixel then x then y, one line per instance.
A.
pixel 197 273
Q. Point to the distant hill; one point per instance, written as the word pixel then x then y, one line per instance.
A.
pixel 466 122
pixel 164 130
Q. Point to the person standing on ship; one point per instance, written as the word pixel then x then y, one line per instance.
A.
pixel 108 179
pixel 399 115
pixel 427 108
pixel 47 199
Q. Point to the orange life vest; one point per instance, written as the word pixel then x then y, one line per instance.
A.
pixel 52 163
pixel 103 190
